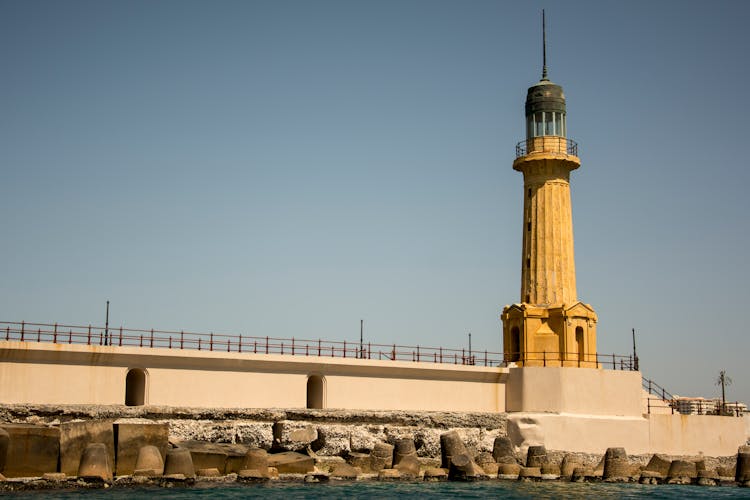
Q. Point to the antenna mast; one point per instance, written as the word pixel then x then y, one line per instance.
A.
pixel 544 47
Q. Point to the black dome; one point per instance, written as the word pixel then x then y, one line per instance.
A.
pixel 545 96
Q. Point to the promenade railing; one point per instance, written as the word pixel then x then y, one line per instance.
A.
pixel 219 342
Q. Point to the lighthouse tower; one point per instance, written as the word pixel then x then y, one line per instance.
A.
pixel 549 326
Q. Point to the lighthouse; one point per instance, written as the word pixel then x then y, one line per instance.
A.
pixel 549 326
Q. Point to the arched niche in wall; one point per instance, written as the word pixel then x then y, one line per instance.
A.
pixel 135 387
pixel 316 391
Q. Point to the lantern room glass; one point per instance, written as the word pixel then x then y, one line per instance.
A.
pixel 545 123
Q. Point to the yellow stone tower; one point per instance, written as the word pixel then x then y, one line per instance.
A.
pixel 550 326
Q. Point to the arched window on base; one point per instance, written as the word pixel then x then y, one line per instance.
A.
pixel 515 345
pixel 135 387
pixel 315 391
pixel 580 343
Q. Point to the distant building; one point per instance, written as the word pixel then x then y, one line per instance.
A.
pixel 696 406
pixel 703 406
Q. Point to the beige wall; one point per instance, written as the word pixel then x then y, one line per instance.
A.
pixel 667 434
pixel 78 374
pixel 588 391
pixel 693 434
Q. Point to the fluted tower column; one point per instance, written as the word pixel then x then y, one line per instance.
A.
pixel 549 326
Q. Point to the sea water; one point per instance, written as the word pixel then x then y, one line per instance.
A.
pixel 366 489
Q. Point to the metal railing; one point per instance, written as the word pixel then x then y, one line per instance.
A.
pixel 550 144
pixel 130 337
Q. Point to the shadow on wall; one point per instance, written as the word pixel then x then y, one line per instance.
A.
pixel 135 387
pixel 315 391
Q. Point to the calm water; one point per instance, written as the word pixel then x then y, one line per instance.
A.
pixel 348 490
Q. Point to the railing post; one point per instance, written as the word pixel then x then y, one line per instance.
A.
pixel 393 355
pixel 345 348
pixel 649 405
pixel 292 346
pixel 22 330
pixel 229 343
pixel 88 341
pixel 240 346
pixel 70 335
pixel 199 343
pixel 182 339
pixel 54 336
pixel 141 340
pixel 211 342
pixel 266 344
pixel 170 341
pixel 120 336
pixel 318 347
pixel 369 350
pixel 151 343
pixel 7 333
pixel 649 386
pixel 614 365
pixel 463 357
pixel 282 347
pixel 38 334
pixel 441 354
pixel 255 347
pixel 307 349
pixel 544 357
pixel 417 353
pixel 485 357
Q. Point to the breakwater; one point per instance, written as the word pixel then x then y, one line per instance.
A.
pixel 93 446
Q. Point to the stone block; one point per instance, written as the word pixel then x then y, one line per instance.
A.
pixel 291 462
pixel 530 473
pixel 4 444
pixel 206 455
pixel 408 467
pixel 208 472
pixel 75 436
pixel 345 471
pixel 360 460
pixel 435 474
pixel 508 471
pixel 293 436
pixel 32 450
pixel 131 437
pixel 389 475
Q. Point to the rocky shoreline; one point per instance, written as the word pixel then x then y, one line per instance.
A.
pixel 81 446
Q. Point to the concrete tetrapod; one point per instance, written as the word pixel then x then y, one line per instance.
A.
pixel 95 462
pixel 408 466
pixel 658 464
pixel 681 472
pixel 616 465
pixel 536 456
pixel 179 461
pixel 450 446
pixel 404 447
pixel 149 458
pixel 463 468
pixel 4 445
pixel 569 464
pixel 381 457
pixel 742 473
pixel 502 448
pixel 256 459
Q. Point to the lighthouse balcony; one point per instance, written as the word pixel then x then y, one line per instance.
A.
pixel 547 144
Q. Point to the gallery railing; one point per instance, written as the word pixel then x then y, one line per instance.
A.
pixel 130 337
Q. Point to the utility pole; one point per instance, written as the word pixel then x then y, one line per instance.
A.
pixel 635 355
pixel 106 326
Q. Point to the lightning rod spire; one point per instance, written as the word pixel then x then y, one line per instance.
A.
pixel 544 47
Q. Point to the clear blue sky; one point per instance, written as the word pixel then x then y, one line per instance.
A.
pixel 287 168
